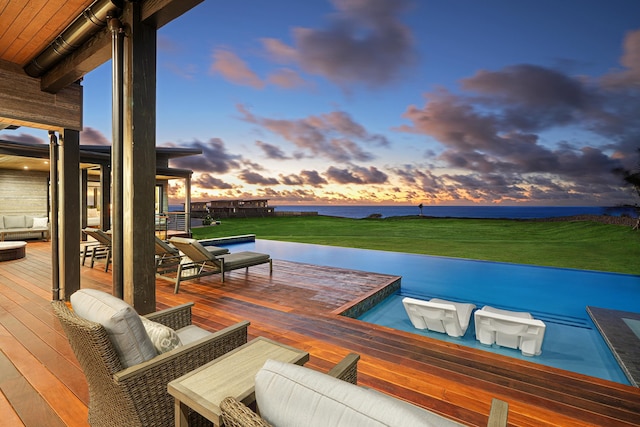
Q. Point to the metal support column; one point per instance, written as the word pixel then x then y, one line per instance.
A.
pixel 117 159
pixel 53 219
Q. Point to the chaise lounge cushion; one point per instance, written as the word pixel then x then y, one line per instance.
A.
pixel 122 323
pixel 290 396
pixel 242 259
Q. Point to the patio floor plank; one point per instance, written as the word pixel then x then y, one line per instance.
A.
pixel 294 306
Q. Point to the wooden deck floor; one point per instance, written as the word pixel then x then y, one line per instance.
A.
pixel 42 385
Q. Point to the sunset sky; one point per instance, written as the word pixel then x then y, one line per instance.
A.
pixel 453 102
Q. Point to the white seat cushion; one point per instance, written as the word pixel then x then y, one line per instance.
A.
pixel 192 333
pixel 121 322
pixel 291 396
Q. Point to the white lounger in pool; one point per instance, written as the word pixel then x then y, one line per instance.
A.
pixel 439 315
pixel 513 329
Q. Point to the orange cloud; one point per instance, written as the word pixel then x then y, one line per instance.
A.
pixel 234 69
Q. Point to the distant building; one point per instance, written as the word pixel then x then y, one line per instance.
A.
pixel 232 209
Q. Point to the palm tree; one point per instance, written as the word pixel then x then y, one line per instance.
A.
pixel 633 178
pixel 420 207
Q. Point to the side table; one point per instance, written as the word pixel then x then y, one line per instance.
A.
pixel 232 374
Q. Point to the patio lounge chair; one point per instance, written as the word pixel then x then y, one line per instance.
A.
pixel 168 257
pixel 212 250
pixel 439 315
pixel 513 329
pixel 291 395
pixel 202 262
pixel 121 394
pixel 100 250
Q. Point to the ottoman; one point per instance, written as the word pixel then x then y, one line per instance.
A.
pixel 12 250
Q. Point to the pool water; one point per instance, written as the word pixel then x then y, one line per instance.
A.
pixel 556 296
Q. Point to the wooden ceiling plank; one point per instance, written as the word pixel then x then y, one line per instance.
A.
pixel 41 30
pixel 8 17
pixel 27 14
pixel 3 5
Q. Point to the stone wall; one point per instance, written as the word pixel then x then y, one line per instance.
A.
pixel 23 192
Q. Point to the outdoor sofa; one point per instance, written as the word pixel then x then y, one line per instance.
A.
pixel 19 227
pixel 289 395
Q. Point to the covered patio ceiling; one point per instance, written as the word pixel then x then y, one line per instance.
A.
pixel 30 28
pixel 46 48
pixel 27 27
pixel 60 41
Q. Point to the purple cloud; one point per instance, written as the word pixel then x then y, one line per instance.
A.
pixel 497 134
pixel 23 137
pixel 334 135
pixel 214 158
pixel 356 175
pixel 272 151
pixel 365 43
pixel 255 178
pixel 531 97
pixel 206 180
pixel 305 177
pixel 91 136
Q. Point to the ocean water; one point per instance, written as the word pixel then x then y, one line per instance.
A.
pixel 507 212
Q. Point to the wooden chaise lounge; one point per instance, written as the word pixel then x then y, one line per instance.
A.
pixel 202 262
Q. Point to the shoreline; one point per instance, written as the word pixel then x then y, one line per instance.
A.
pixel 603 219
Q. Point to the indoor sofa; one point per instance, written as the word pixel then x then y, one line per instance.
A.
pixel 19 227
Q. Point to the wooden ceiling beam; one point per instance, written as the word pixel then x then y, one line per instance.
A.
pixel 22 103
pixel 158 13
pixel 97 50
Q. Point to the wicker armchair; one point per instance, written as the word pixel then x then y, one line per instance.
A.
pixel 236 414
pixel 137 396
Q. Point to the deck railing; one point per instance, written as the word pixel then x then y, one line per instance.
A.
pixel 172 221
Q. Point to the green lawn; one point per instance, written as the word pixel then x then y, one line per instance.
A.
pixel 583 245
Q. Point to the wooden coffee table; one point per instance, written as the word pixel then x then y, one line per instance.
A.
pixel 232 374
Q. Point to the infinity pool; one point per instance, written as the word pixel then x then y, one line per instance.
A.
pixel 556 296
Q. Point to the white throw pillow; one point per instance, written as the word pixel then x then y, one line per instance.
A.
pixel 121 321
pixel 40 222
pixel 163 337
